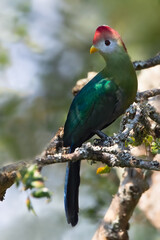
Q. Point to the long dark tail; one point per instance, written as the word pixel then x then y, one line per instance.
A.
pixel 71 192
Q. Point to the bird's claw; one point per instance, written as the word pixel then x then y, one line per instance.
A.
pixel 104 139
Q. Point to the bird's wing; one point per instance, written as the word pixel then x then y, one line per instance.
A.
pixel 93 108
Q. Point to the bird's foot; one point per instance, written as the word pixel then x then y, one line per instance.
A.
pixel 101 134
pixel 104 139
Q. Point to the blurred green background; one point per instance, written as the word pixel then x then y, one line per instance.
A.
pixel 44 50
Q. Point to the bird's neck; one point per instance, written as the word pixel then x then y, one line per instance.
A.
pixel 118 62
pixel 120 68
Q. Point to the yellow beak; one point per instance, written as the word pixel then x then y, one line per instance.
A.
pixel 93 49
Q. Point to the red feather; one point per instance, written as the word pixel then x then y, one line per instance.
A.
pixel 106 32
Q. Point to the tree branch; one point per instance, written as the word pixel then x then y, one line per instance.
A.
pixel 115 223
pixel 139 65
pixel 112 156
pixel 147 94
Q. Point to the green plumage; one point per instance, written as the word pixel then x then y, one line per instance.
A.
pixel 102 100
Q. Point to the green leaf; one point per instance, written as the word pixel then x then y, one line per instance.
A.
pixel 41 193
pixel 155 146
pixel 148 140
pixel 37 184
pixel 102 170
pixel 30 177
pixel 130 141
pixel 30 206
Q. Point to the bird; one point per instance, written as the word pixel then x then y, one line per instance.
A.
pixel 98 104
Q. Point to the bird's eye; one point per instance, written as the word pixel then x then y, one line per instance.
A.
pixel 107 42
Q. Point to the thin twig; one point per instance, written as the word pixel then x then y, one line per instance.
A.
pixel 139 65
pixel 147 94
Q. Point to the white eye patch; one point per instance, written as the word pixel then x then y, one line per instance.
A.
pixel 104 48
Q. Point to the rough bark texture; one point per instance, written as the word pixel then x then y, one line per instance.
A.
pixel 115 223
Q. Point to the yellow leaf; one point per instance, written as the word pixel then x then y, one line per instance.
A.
pixel 102 170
